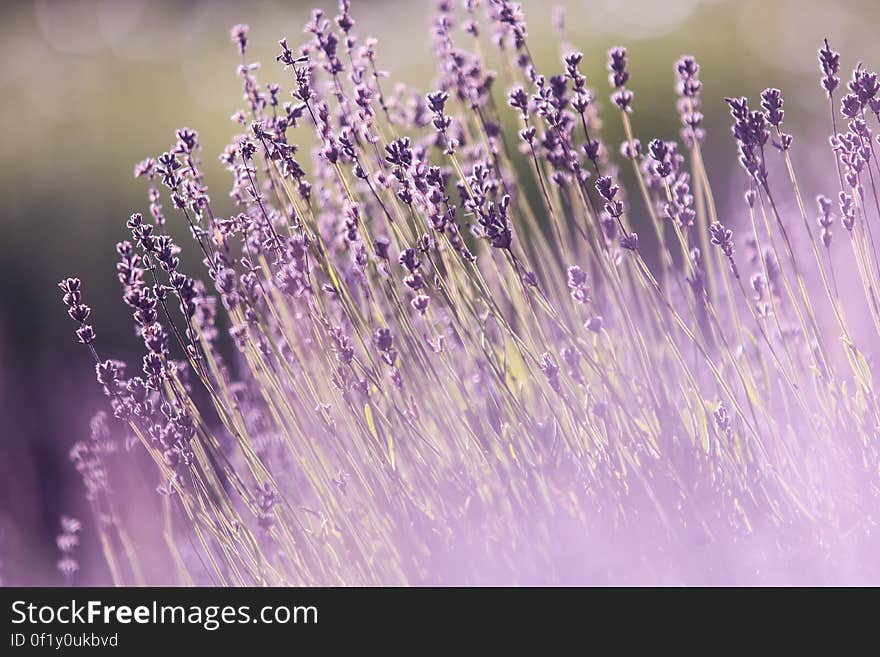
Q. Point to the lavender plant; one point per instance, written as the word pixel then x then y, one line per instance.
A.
pixel 453 360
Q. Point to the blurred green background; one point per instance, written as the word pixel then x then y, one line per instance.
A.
pixel 89 87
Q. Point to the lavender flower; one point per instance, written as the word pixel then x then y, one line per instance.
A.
pixel 577 284
pixel 751 134
pixel 618 77
pixel 407 390
pixel 551 371
pixel 688 87
pixel 829 61
pixel 723 238
pixel 630 242
pixel 617 66
pixel 826 220
pixel 67 542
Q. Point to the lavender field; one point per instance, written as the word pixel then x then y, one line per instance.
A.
pixel 500 300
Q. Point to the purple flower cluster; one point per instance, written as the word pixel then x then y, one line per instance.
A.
pixel 390 374
pixel 67 542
